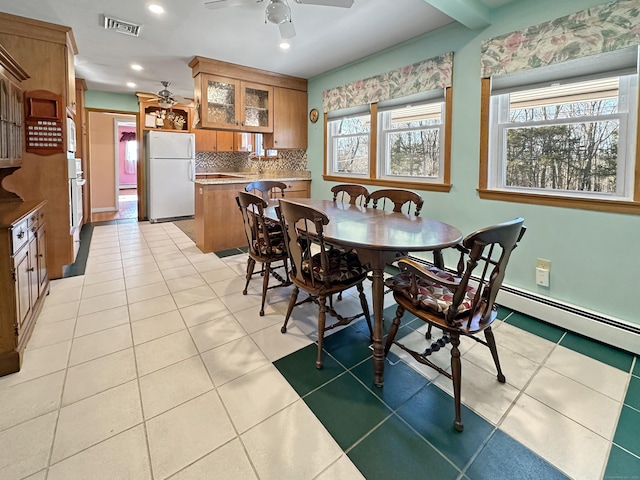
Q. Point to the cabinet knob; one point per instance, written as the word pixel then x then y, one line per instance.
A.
pixel 31 269
pixel 21 235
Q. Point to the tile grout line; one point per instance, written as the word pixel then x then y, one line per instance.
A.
pixel 135 363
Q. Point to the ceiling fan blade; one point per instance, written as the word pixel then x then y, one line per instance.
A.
pixel 328 3
pixel 181 100
pixel 217 4
pixel 287 30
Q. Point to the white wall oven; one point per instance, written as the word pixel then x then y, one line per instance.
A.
pixel 76 181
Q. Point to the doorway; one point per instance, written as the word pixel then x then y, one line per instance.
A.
pixel 113 155
pixel 127 168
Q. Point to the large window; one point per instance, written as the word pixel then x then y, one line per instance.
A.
pixel 349 138
pixel 570 138
pixel 402 142
pixel 410 142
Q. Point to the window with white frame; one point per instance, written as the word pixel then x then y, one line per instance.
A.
pixel 410 141
pixel 570 137
pixel 348 139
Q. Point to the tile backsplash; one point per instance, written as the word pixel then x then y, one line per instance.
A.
pixel 289 160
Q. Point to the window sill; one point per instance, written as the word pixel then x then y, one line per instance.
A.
pixel 429 187
pixel 616 206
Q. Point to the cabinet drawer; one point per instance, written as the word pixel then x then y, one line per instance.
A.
pixel 19 235
pixel 297 186
pixel 32 224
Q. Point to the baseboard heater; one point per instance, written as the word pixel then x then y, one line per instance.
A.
pixel 594 325
pixel 597 326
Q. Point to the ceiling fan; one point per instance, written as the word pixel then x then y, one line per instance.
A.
pixel 166 99
pixel 278 12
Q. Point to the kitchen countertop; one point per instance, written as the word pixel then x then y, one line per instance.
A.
pixel 244 177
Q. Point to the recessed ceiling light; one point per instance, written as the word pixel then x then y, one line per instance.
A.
pixel 156 8
pixel 131 84
pixel 136 67
pixel 285 45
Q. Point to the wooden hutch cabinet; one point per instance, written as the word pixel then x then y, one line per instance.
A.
pixel 24 279
pixel 46 51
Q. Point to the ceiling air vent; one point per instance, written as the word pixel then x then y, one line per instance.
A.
pixel 121 26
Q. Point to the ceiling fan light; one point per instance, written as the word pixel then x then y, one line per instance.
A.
pixel 165 103
pixel 285 45
pixel 278 12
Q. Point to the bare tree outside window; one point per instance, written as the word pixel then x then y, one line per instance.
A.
pixel 415 153
pixel 351 144
pixel 412 141
pixel 565 138
pixel 578 156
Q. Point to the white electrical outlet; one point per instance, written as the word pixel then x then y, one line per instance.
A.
pixel 542 277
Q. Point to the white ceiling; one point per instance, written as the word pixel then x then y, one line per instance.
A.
pixel 327 37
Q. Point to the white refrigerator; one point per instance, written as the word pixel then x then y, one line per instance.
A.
pixel 170 160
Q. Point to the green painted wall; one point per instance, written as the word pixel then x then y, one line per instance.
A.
pixel 595 263
pixel 117 102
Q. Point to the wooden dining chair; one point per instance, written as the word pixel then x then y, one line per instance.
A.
pixel 350 193
pixel 267 189
pixel 410 201
pixel 402 200
pixel 353 195
pixel 266 243
pixel 320 274
pixel 457 304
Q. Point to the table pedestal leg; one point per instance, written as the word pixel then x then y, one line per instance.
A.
pixel 378 351
pixel 377 261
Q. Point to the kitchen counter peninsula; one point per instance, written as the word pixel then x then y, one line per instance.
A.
pixel 218 223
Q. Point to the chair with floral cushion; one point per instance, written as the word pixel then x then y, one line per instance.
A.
pixel 458 304
pixel 350 193
pixel 266 243
pixel 320 274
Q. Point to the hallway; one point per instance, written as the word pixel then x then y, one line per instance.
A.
pixel 127 207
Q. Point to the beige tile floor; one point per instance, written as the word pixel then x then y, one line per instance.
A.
pixel 153 365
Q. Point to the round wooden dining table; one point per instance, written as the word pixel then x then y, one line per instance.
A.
pixel 377 236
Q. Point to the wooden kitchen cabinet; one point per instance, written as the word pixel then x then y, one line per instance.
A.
pixel 223 141
pixel 289 120
pixel 24 281
pixel 235 97
pixel 231 104
pixel 71 78
pixel 82 147
pixel 298 189
pixel 206 140
pixel 218 223
pixel 45 51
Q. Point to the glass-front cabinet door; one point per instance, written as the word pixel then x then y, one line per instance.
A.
pixel 230 104
pixel 257 107
pixel 220 102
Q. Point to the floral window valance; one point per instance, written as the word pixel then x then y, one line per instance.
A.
pixel 401 82
pixel 592 31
